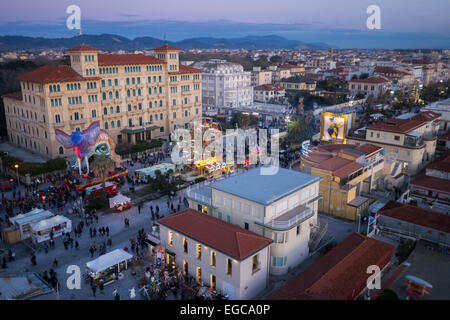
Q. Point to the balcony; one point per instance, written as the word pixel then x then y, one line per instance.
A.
pixel 412 141
pixel 289 219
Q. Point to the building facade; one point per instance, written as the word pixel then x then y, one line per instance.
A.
pixel 411 141
pixel 375 86
pixel 225 84
pixel 260 77
pixel 134 97
pixel 267 92
pixel 298 83
pixel 282 207
pixel 222 256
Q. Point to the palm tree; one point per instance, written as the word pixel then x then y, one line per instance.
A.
pixel 102 165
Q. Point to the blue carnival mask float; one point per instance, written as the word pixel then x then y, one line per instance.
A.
pixel 80 141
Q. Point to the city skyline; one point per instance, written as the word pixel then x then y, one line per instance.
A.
pixel 342 25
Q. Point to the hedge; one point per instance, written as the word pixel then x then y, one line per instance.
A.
pixel 127 148
pixel 34 168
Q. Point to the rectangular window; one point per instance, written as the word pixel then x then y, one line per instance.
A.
pixel 199 275
pixel 213 259
pixel 170 238
pixel 185 245
pixel 229 267
pixel 256 265
pixel 199 251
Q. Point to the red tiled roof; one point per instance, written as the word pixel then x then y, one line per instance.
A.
pixel 289 66
pixel 51 73
pixel 369 80
pixel 348 169
pixel 269 87
pixel 186 69
pixel 368 148
pixel 341 274
pixel 220 235
pixel 432 183
pixel 166 47
pixel 82 47
pixel 416 215
pixel 426 116
pixel 388 70
pixel 13 95
pixel 397 125
pixel 442 163
pixel 127 59
pixel 334 163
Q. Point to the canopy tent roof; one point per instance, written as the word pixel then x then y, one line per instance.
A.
pixel 32 216
pixel 98 186
pixel 118 199
pixel 50 223
pixel 108 260
pixel 150 171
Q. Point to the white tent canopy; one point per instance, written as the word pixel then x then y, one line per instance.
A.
pixel 108 260
pixel 50 223
pixel 118 200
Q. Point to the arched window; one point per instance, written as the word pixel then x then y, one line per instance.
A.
pixel 105 111
pixel 118 109
pixel 118 123
pixel 106 125
pixel 111 110
pixel 61 150
pixel 110 95
pixel 112 124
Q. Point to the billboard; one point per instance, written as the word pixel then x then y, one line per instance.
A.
pixel 334 127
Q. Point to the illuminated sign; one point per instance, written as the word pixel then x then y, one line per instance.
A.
pixel 214 164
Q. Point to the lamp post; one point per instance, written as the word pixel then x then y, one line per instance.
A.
pixel 17 172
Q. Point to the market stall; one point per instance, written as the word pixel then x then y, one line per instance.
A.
pixel 120 202
pixel 150 172
pixel 58 225
pixel 111 189
pixel 107 267
pixel 24 221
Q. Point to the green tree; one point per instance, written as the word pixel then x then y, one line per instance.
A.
pixel 297 131
pixel 102 165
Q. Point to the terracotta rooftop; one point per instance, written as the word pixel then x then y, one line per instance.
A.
pixel 432 183
pixel 426 116
pixel 348 169
pixel 289 66
pixel 127 59
pixel 13 95
pixel 166 47
pixel 397 125
pixel 369 80
pixel 186 69
pixel 341 274
pixel 416 215
pixel 217 234
pixel 82 47
pixel 368 148
pixel 442 163
pixel 51 73
pixel 388 70
pixel 269 87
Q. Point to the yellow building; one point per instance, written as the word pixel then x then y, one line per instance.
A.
pixel 134 97
pixel 298 83
pixel 346 171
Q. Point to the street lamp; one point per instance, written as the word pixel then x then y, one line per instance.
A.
pixel 17 172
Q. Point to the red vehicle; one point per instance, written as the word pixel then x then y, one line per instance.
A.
pixel 111 189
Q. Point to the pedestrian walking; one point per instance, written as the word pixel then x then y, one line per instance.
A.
pixel 94 289
pixel 94 232
pixel 55 263
pixel 90 231
pixel 33 260
pixel 139 208
pixel 76 244
pixel 107 231
pixel 101 287
pixel 91 251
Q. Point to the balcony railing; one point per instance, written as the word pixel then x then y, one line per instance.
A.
pixel 290 219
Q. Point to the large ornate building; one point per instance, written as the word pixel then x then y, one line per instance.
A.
pixel 134 97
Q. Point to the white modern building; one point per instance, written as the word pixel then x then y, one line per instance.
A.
pixel 225 84
pixel 217 254
pixel 282 207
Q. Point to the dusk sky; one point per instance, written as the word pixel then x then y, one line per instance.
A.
pixel 299 18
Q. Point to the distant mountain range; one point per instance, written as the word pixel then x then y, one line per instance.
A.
pixel 110 42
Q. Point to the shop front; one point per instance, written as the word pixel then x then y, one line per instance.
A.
pixel 57 225
pixel 107 268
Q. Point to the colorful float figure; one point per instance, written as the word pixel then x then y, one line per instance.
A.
pixel 88 142
pixel 80 141
pixel 333 129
